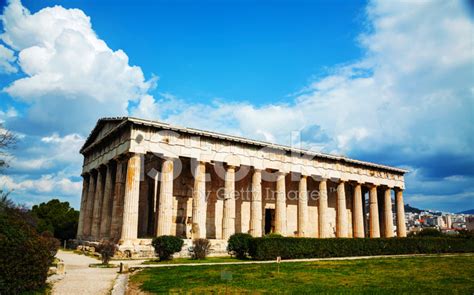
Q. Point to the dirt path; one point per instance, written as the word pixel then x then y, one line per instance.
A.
pixel 81 279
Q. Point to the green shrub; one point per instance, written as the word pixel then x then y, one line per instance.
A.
pixel 25 256
pixel 238 245
pixel 107 250
pixel 166 246
pixel 292 248
pixel 52 243
pixel 201 248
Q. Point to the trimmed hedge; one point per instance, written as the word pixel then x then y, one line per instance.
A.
pixel 292 248
pixel 238 245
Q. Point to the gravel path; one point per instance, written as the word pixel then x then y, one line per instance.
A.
pixel 80 279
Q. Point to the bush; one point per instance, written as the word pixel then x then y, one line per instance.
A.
pixel 238 245
pixel 166 246
pixel 201 248
pixel 107 250
pixel 25 256
pixel 52 243
pixel 292 248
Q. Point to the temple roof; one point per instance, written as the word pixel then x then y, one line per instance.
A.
pixel 121 121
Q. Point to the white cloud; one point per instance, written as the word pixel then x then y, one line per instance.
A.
pixel 7 58
pixel 44 185
pixel 72 76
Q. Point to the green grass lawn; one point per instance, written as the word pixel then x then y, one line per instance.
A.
pixel 189 260
pixel 426 275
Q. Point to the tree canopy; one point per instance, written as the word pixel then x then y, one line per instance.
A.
pixel 56 217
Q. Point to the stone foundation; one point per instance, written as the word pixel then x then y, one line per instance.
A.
pixel 142 248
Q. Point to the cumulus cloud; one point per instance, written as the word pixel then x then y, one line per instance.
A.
pixel 7 59
pixel 71 76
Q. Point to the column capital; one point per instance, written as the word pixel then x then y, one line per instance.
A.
pixel 281 173
pixel 230 167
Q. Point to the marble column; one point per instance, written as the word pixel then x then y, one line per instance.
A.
pixel 280 205
pixel 374 213
pixel 82 212
pixel 302 206
pixel 228 216
pixel 118 199
pixel 256 204
pixel 199 202
pixel 107 204
pixel 358 213
pixel 341 218
pixel 131 197
pixel 98 199
pixel 401 225
pixel 323 207
pixel 388 215
pixel 90 205
pixel 165 201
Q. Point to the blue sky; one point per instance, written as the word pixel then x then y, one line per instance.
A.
pixel 383 81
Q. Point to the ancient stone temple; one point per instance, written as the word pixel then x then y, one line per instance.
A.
pixel 144 179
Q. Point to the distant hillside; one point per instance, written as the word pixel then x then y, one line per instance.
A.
pixel 467 212
pixel 411 209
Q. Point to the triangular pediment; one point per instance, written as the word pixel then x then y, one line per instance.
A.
pixel 102 127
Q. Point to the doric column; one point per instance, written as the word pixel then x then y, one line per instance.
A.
pixel 256 204
pixel 323 207
pixel 302 207
pixel 358 214
pixel 98 198
pixel 228 216
pixel 374 213
pixel 199 202
pixel 82 211
pixel 131 197
pixel 388 215
pixel 341 220
pixel 401 225
pixel 90 205
pixel 165 211
pixel 280 205
pixel 107 204
pixel 118 199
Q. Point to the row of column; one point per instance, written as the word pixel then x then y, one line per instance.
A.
pixel 102 202
pixel 110 205
pixel 256 225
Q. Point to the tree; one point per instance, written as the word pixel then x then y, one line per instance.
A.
pixel 7 141
pixel 25 256
pixel 58 218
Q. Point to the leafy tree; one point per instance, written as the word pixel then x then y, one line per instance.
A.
pixel 25 256
pixel 58 218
